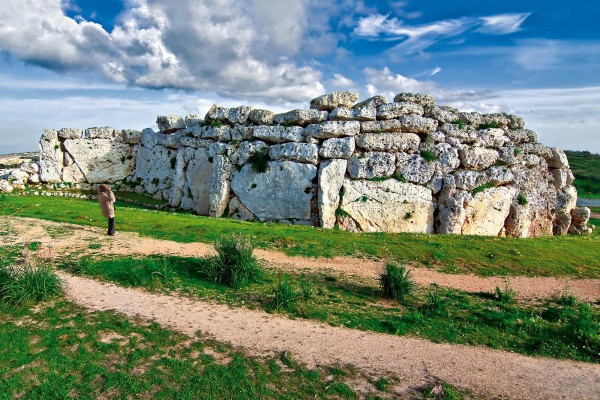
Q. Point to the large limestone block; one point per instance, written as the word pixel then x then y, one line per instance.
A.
pixel 353 114
pixel 337 148
pixel 518 222
pixel 198 180
pixel 487 211
pixel 498 120
pixel 477 157
pixel 279 134
pixel 515 122
pixel 414 168
pixel 423 99
pixel 333 129
pixel 331 179
pixel 559 159
pixel 72 174
pixel 388 206
pixel 446 156
pixel 247 149
pixel 217 113
pixel 406 123
pixel 129 136
pixel 261 117
pixel 562 177
pixel 100 133
pixel 30 167
pixel 329 101
pixel 170 123
pixel 18 175
pixel 238 211
pixel 5 186
pixel 300 152
pixel 471 118
pixel 469 180
pixel 522 136
pixel 454 133
pixel 184 155
pixel 154 168
pixel 300 117
pixel 239 115
pixel 451 207
pixel 371 165
pixel 172 141
pixel 51 157
pixel 193 120
pixel 220 133
pixel 372 102
pixel 70 133
pixel 282 192
pixel 537 149
pixel 492 137
pixel 220 186
pixel 395 110
pixel 443 114
pixel 399 141
pixel 101 160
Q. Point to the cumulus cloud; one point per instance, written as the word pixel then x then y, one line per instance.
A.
pixel 340 81
pixel 239 50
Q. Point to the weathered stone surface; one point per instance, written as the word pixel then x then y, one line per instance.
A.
pixel 70 133
pixel 509 155
pixel 261 117
pixel 467 134
pixel 30 167
pixel 238 211
pixel 198 177
pixel 388 206
pixel 414 168
pixel 5 187
pixel 442 114
pixel 518 221
pixel 153 165
pixel 446 157
pixel 562 177
pixel 241 132
pixel 451 207
pixel 372 102
pixel 469 180
pixel 247 149
pixel 172 141
pixel 331 179
pixel 221 133
pixel 101 160
pixel 238 115
pixel 18 175
pixel 170 123
pixel 515 122
pixel 436 182
pixel 128 136
pixel 492 137
pixel 282 192
pixel 478 158
pixel 34 179
pixel 217 113
pixel 279 134
pixel 353 114
pixel 220 186
pixel 300 152
pixel 333 129
pixel 51 157
pixel 522 136
pixel 399 141
pixel 580 216
pixel 496 120
pixel 193 120
pixel 419 98
pixel 471 118
pixel 559 159
pixel 566 200
pixel 337 148
pixel 371 165
pixel 395 110
pixel 300 117
pixel 100 133
pixel 329 101
pixel 217 148
pixel 417 124
pixel 500 175
pixel 486 211
pixel 537 149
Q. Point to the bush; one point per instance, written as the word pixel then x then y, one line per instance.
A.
pixel 260 160
pixel 436 304
pixel 235 265
pixel 29 285
pixel 284 295
pixel 506 296
pixel 396 282
pixel 521 199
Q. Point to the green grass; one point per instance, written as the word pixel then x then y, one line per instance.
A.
pixel 62 351
pixel 575 256
pixel 550 328
pixel 586 168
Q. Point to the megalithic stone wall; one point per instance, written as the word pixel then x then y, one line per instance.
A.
pixel 402 166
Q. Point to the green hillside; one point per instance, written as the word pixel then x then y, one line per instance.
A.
pixel 586 168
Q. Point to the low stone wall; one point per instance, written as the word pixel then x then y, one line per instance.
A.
pixel 402 166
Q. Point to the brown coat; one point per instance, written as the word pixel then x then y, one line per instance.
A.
pixel 107 204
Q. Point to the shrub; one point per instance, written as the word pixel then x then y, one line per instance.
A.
pixel 506 296
pixel 396 282
pixel 521 199
pixel 481 188
pixel 436 304
pixel 260 160
pixel 428 155
pixel 29 285
pixel 234 265
pixel 284 295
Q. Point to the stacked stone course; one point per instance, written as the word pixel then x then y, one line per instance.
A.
pixel 403 166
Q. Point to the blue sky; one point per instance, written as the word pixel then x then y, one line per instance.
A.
pixel 82 63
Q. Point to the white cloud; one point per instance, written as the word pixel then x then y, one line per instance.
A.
pixel 340 81
pixel 253 49
pixel 502 24
pixel 389 84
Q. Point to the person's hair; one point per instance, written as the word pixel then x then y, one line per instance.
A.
pixel 104 188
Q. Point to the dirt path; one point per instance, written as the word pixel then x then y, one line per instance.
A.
pixel 483 371
pixel 62 239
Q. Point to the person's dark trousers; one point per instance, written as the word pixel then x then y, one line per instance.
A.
pixel 111 226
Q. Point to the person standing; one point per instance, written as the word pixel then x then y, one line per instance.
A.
pixel 107 204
